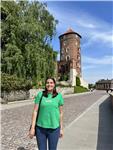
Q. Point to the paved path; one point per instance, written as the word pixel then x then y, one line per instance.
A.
pixel 92 130
pixel 16 119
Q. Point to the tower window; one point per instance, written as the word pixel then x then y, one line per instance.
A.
pixel 76 36
pixel 79 49
pixel 67 49
pixel 76 43
pixel 64 43
pixel 67 58
pixel 78 57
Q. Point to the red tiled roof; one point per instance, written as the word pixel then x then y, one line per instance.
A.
pixel 69 31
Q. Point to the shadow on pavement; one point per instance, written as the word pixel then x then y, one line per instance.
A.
pixel 105 127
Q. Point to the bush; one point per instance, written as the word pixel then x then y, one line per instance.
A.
pixel 12 82
pixel 78 81
pixel 80 89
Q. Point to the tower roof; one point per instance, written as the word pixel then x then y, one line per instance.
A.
pixel 70 31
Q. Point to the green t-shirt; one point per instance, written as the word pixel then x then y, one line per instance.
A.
pixel 49 114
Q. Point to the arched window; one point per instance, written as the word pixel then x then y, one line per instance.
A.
pixel 64 43
pixel 67 58
pixel 76 43
pixel 67 49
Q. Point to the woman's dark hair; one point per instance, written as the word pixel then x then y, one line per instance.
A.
pixel 45 92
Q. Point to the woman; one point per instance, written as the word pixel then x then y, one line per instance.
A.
pixel 49 125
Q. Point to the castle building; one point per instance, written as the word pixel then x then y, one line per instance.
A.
pixel 104 84
pixel 70 56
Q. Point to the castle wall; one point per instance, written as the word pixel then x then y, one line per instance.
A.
pixel 73 75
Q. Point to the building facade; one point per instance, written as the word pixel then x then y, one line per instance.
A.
pixel 104 84
pixel 70 56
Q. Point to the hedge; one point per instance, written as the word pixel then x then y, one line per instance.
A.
pixel 78 83
pixel 80 89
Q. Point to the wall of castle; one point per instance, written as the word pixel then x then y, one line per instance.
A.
pixel 83 82
pixel 73 75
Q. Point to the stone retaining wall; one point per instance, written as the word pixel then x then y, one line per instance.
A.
pixel 14 96
pixel 25 95
pixel 63 90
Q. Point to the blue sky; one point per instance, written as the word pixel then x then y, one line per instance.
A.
pixel 93 21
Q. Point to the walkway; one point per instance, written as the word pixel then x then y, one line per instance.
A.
pixel 86 118
pixel 92 130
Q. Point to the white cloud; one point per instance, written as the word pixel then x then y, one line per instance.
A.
pixel 101 37
pixel 86 25
pixel 104 36
pixel 87 67
pixel 106 60
pixel 89 27
pixel 94 69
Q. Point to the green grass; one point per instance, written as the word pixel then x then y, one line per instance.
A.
pixel 80 89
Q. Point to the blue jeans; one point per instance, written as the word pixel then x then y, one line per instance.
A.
pixel 44 134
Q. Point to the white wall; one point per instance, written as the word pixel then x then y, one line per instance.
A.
pixel 84 83
pixel 72 79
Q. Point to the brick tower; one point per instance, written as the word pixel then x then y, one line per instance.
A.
pixel 70 56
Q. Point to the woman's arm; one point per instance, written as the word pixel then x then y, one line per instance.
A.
pixel 61 121
pixel 34 116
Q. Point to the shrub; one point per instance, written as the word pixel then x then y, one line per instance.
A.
pixel 12 82
pixel 78 81
pixel 80 89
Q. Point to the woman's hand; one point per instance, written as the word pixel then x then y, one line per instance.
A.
pixel 31 133
pixel 61 133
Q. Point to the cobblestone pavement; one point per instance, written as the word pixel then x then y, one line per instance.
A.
pixel 15 122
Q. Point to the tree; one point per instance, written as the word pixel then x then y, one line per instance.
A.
pixel 27 32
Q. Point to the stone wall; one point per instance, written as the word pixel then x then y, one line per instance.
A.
pixel 25 95
pixel 14 96
pixel 63 90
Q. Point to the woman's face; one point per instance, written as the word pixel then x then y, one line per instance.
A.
pixel 50 85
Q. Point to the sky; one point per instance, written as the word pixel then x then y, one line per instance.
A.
pixel 94 22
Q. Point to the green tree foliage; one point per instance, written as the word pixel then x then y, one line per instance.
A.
pixel 91 86
pixel 27 32
pixel 64 77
